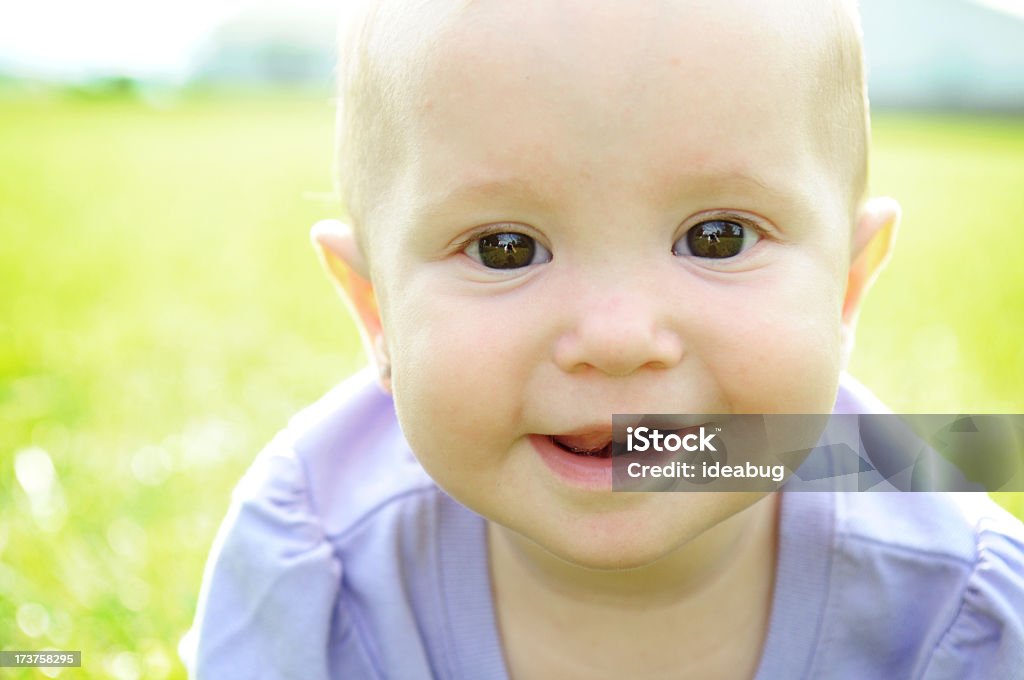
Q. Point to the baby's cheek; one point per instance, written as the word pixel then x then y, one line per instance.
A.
pixel 782 355
pixel 451 381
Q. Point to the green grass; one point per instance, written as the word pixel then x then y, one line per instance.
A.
pixel 942 330
pixel 162 314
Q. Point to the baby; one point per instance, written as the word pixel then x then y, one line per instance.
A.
pixel 562 210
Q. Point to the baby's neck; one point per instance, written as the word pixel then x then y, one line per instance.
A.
pixel 698 610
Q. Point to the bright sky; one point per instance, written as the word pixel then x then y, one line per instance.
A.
pixel 141 37
pixel 134 37
pixel 1015 7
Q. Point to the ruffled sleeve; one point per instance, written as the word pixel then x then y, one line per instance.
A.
pixel 986 638
pixel 270 586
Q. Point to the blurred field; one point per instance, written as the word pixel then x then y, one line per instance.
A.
pixel 161 315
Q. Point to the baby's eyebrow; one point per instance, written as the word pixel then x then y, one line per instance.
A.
pixel 513 190
pixel 698 179
pixel 780 191
pixel 747 179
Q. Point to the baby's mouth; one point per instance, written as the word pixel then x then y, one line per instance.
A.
pixel 594 445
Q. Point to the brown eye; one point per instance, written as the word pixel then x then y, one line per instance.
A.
pixel 716 239
pixel 508 250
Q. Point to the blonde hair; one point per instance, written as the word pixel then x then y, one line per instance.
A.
pixel 846 127
pixel 381 47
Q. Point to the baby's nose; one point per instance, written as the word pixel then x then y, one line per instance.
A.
pixel 618 335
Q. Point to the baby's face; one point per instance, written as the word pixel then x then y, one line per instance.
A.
pixel 605 214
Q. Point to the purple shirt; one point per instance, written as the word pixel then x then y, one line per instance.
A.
pixel 340 558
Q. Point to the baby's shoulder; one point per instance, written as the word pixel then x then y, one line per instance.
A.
pixel 946 569
pixel 335 503
pixel 954 526
pixel 344 457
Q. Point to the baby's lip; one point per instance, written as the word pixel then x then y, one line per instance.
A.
pixel 585 440
pixel 596 439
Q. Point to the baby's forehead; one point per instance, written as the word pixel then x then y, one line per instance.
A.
pixel 735 57
pixel 723 53
pixel 793 33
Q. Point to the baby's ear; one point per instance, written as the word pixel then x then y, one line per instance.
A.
pixel 345 265
pixel 873 239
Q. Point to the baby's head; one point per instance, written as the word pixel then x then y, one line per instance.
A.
pixel 573 209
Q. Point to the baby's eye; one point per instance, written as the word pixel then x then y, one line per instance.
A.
pixel 508 250
pixel 716 239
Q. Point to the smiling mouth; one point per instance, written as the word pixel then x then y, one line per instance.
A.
pixel 598 445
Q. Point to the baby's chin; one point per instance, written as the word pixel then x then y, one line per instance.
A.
pixel 611 558
pixel 671 524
